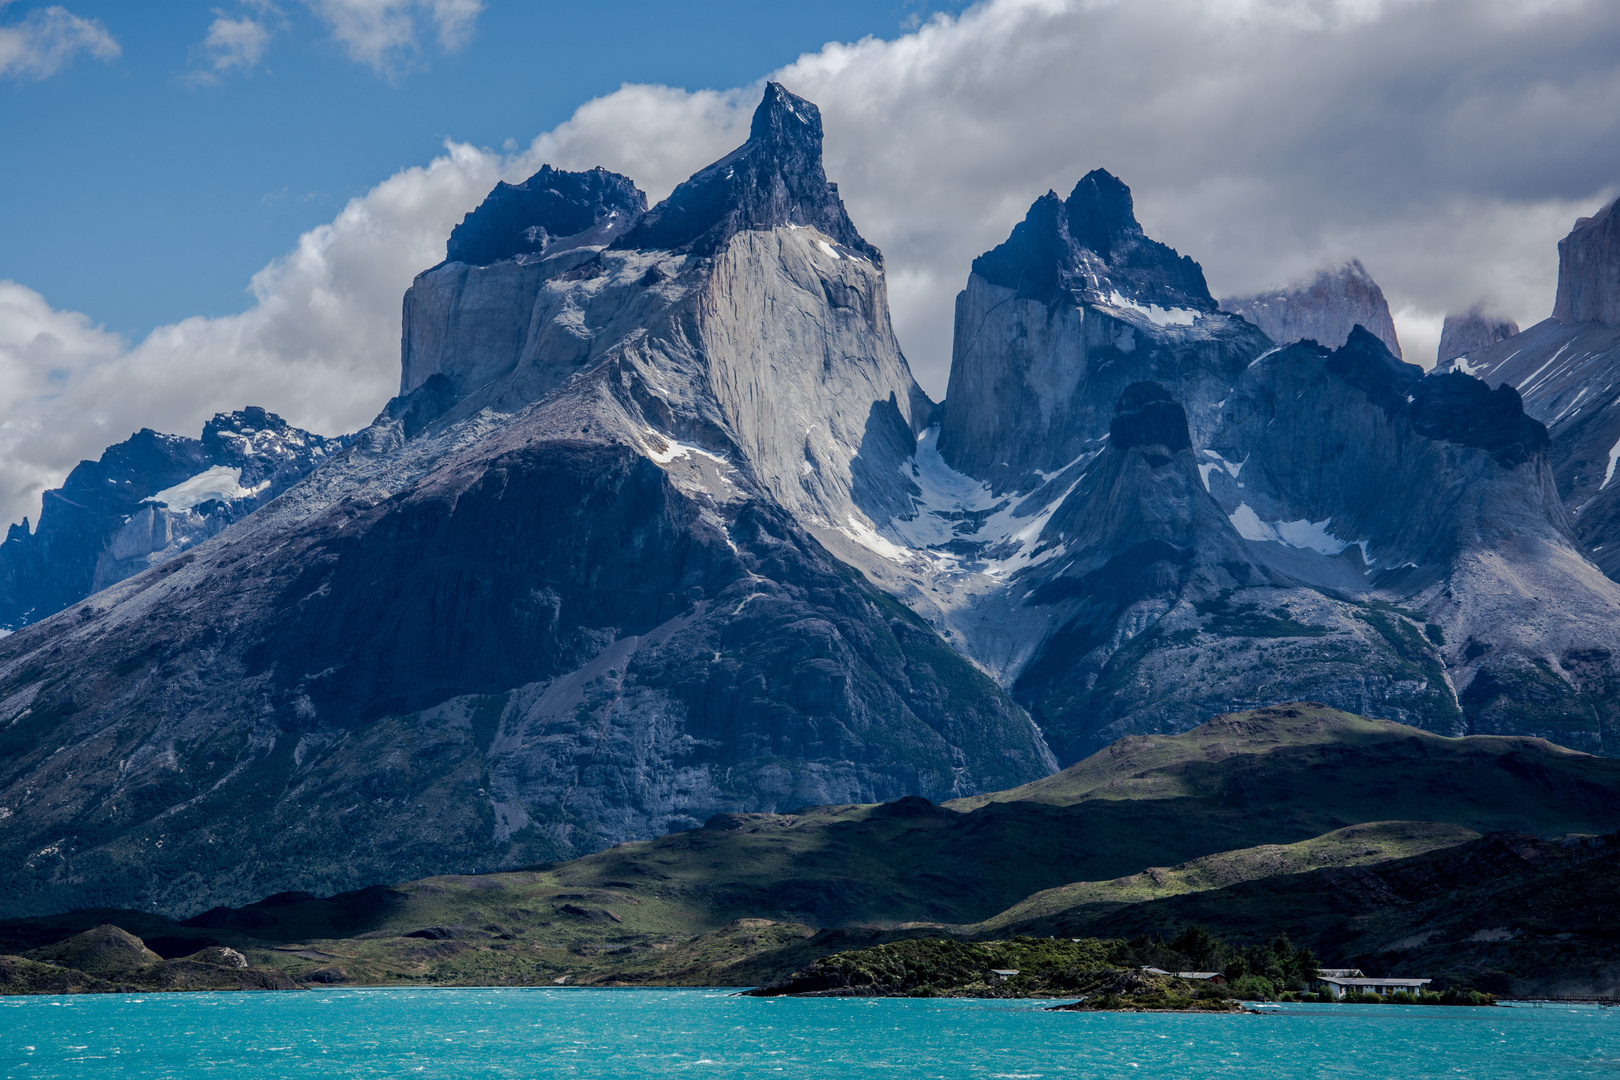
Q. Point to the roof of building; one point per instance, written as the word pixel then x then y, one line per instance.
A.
pixel 1201 975
pixel 1003 971
pixel 1374 982
pixel 1340 973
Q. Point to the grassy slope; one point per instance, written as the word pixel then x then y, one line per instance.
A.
pixel 667 909
pixel 1358 845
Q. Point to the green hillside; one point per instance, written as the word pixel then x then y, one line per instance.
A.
pixel 1274 794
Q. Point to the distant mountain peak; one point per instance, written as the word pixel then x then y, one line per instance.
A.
pixel 553 204
pixel 1323 309
pixel 775 178
pixel 1471 330
pixel 1092 246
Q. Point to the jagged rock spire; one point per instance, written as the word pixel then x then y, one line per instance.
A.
pixel 1092 244
pixel 775 178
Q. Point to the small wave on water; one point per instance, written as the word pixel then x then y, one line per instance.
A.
pixel 470 1034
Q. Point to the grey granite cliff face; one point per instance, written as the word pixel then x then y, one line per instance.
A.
pixel 1589 270
pixel 566 590
pixel 1323 310
pixel 1470 332
pixel 145 501
pixel 1057 321
pixel 1356 531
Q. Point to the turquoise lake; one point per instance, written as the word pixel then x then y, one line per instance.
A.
pixel 699 1033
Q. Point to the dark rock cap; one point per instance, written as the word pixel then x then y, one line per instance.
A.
pixel 1145 415
pixel 1463 409
pixel 1453 407
pixel 526 218
pixel 1092 242
pixel 1367 364
pixel 775 178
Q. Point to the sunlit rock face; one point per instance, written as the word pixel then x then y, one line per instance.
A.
pixel 1324 309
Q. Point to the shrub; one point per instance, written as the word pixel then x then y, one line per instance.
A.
pixel 1253 986
pixel 1401 997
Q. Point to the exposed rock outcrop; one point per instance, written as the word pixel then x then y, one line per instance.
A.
pixel 1323 310
pixel 1567 369
pixel 547 211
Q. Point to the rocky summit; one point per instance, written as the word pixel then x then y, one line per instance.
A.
pixel 1472 331
pixel 660 527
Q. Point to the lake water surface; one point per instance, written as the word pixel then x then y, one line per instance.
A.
pixel 608 1034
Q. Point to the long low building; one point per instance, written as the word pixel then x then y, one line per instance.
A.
pixel 1340 985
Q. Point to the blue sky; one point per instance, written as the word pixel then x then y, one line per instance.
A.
pixel 141 195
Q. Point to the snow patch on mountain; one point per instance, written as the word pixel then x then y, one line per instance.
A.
pixel 1303 534
pixel 220 482
pixel 1158 316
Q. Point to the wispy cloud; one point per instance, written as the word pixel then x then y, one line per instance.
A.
pixel 384 34
pixel 236 43
pixel 46 41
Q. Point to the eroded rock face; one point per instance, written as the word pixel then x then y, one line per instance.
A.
pixel 1323 310
pixel 1589 270
pixel 145 501
pixel 1471 331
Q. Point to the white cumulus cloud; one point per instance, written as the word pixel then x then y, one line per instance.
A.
pixel 320 344
pixel 47 39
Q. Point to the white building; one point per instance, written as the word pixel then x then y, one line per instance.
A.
pixel 1341 985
